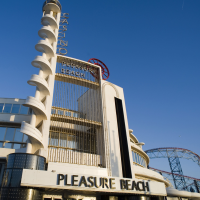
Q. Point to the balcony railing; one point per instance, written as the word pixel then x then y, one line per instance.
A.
pixel 52 1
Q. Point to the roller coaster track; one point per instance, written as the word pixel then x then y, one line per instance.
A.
pixel 192 184
pixel 173 154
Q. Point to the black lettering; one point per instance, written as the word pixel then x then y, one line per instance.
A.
pixel 73 180
pixel 134 185
pixel 105 182
pixel 138 185
pixel 83 181
pixel 147 186
pixel 60 178
pixel 66 180
pixel 90 181
pixel 128 184
pixel 123 184
pixel 112 183
pixel 95 182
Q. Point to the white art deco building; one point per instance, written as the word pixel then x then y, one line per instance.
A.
pixel 72 140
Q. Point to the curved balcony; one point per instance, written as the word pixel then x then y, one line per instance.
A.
pixel 47 32
pixel 42 63
pixel 33 132
pixel 48 20
pixel 45 47
pixel 52 5
pixel 37 106
pixel 41 83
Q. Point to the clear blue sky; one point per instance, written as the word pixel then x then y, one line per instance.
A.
pixel 151 48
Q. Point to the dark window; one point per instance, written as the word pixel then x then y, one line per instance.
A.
pixel 18 136
pixel 10 134
pixel 1 107
pixel 24 110
pixel 31 162
pixel 25 138
pixel 2 132
pixel 7 108
pixel 16 178
pixel 15 108
pixel 8 145
pixel 20 160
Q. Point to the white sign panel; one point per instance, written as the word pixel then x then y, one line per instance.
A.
pixel 46 179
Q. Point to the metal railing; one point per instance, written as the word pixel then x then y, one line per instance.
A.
pixel 52 1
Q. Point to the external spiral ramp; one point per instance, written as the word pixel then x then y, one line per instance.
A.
pixel 43 64
pixel 44 46
pixel 37 106
pixel 38 127
pixel 39 82
pixel 47 32
pixel 33 132
pixel 49 20
pixel 52 7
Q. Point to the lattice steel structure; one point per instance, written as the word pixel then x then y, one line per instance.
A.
pixel 173 155
pixel 192 184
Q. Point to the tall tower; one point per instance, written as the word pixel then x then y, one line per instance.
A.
pixel 38 129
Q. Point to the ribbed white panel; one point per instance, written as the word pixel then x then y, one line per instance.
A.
pixel 47 32
pixel 37 106
pixel 43 63
pixel 40 82
pixel 44 46
pixel 49 20
pixel 31 131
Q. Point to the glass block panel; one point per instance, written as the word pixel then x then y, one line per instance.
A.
pixel 20 160
pixel 2 132
pixel 31 162
pixel 1 107
pixel 7 177
pixel 18 135
pixel 16 178
pixel 25 138
pixel 7 108
pixel 41 163
pixel 15 108
pixel 60 112
pixel 10 134
pixel 11 159
pixel 24 110
pixel 16 146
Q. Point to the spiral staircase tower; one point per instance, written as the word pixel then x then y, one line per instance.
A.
pixel 38 128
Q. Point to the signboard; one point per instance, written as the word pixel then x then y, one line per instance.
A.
pixel 46 179
pixel 62 44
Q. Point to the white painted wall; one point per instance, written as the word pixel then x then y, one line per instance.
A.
pixel 76 169
pixel 109 92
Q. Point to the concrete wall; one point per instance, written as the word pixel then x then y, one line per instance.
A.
pixel 109 92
